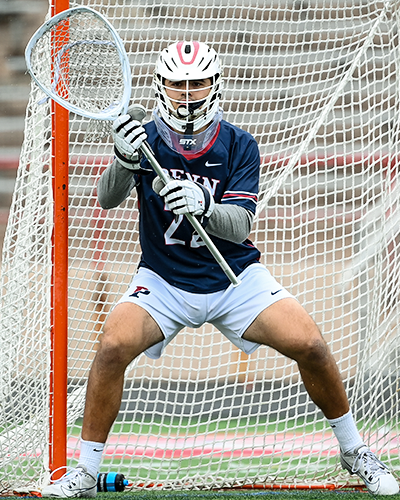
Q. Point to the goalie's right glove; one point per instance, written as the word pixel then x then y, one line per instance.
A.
pixel 128 135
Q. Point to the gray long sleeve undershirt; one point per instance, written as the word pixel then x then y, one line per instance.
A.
pixel 229 222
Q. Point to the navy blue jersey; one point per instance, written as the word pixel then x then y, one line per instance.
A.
pixel 170 246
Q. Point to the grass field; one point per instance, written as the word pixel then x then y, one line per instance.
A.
pixel 245 460
pixel 237 495
pixel 159 465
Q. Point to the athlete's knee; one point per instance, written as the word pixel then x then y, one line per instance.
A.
pixel 112 355
pixel 313 353
pixel 116 349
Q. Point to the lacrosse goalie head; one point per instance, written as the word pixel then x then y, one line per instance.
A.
pixel 184 62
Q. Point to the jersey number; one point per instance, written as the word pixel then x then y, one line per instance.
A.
pixel 195 242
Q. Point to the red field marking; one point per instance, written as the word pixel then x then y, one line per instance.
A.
pixel 217 445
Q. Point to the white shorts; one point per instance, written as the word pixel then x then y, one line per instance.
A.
pixel 231 311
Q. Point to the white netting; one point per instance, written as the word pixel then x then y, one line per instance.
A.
pixel 317 83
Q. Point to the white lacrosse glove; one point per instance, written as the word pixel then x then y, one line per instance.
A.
pixel 185 197
pixel 128 135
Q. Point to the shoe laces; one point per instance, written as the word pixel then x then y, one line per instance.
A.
pixel 370 461
pixel 72 472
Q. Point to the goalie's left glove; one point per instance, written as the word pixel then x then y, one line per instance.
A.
pixel 185 197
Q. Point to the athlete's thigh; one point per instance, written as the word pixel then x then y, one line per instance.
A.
pixel 286 326
pixel 131 327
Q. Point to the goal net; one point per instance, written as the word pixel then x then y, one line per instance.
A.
pixel 317 83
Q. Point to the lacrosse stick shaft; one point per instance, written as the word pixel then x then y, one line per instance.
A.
pixel 146 150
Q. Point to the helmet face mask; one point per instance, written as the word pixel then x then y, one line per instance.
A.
pixel 188 62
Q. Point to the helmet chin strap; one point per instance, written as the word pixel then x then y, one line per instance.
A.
pixel 188 134
pixel 184 112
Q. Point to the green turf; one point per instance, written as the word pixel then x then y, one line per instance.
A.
pixel 197 425
pixel 177 469
pixel 237 495
pixel 161 469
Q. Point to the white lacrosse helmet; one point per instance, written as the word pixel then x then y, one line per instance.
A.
pixel 184 61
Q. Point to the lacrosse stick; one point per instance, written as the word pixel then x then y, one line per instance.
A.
pixel 91 77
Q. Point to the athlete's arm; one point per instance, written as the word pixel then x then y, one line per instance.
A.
pixel 232 218
pixel 118 180
pixel 115 185
pixel 230 222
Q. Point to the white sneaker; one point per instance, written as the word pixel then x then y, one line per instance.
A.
pixel 373 472
pixel 74 483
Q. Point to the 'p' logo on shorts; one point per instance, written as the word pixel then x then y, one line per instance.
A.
pixel 140 289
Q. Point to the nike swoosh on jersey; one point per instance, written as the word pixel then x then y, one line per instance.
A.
pixel 212 164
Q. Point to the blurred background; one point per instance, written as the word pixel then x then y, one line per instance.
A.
pixel 18 21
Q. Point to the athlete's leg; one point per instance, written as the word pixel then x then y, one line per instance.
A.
pixel 128 331
pixel 288 328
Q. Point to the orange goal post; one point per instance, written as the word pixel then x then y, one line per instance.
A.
pixel 317 83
